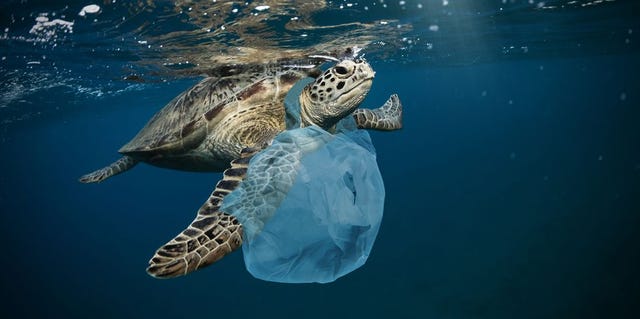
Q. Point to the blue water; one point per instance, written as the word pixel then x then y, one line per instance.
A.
pixel 513 190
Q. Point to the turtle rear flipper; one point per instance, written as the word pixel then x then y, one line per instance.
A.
pixel 212 234
pixel 388 117
pixel 117 167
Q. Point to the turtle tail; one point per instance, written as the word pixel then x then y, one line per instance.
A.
pixel 388 117
pixel 212 234
pixel 117 167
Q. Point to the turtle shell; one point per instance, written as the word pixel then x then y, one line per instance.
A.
pixel 185 121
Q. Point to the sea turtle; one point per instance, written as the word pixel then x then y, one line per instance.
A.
pixel 230 117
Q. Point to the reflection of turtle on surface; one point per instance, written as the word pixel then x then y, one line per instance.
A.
pixel 229 118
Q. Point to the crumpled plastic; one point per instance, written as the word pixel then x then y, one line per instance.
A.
pixel 311 205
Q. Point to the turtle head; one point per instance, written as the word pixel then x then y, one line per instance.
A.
pixel 336 93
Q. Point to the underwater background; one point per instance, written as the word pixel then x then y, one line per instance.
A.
pixel 513 190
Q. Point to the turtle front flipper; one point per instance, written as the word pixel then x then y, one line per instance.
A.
pixel 388 117
pixel 117 167
pixel 212 234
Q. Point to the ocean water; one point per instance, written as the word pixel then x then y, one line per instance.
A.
pixel 513 190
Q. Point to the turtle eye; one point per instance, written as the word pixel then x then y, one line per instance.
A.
pixel 341 70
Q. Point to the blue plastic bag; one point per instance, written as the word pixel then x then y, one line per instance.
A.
pixel 311 205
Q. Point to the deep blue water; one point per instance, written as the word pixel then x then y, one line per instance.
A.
pixel 513 190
